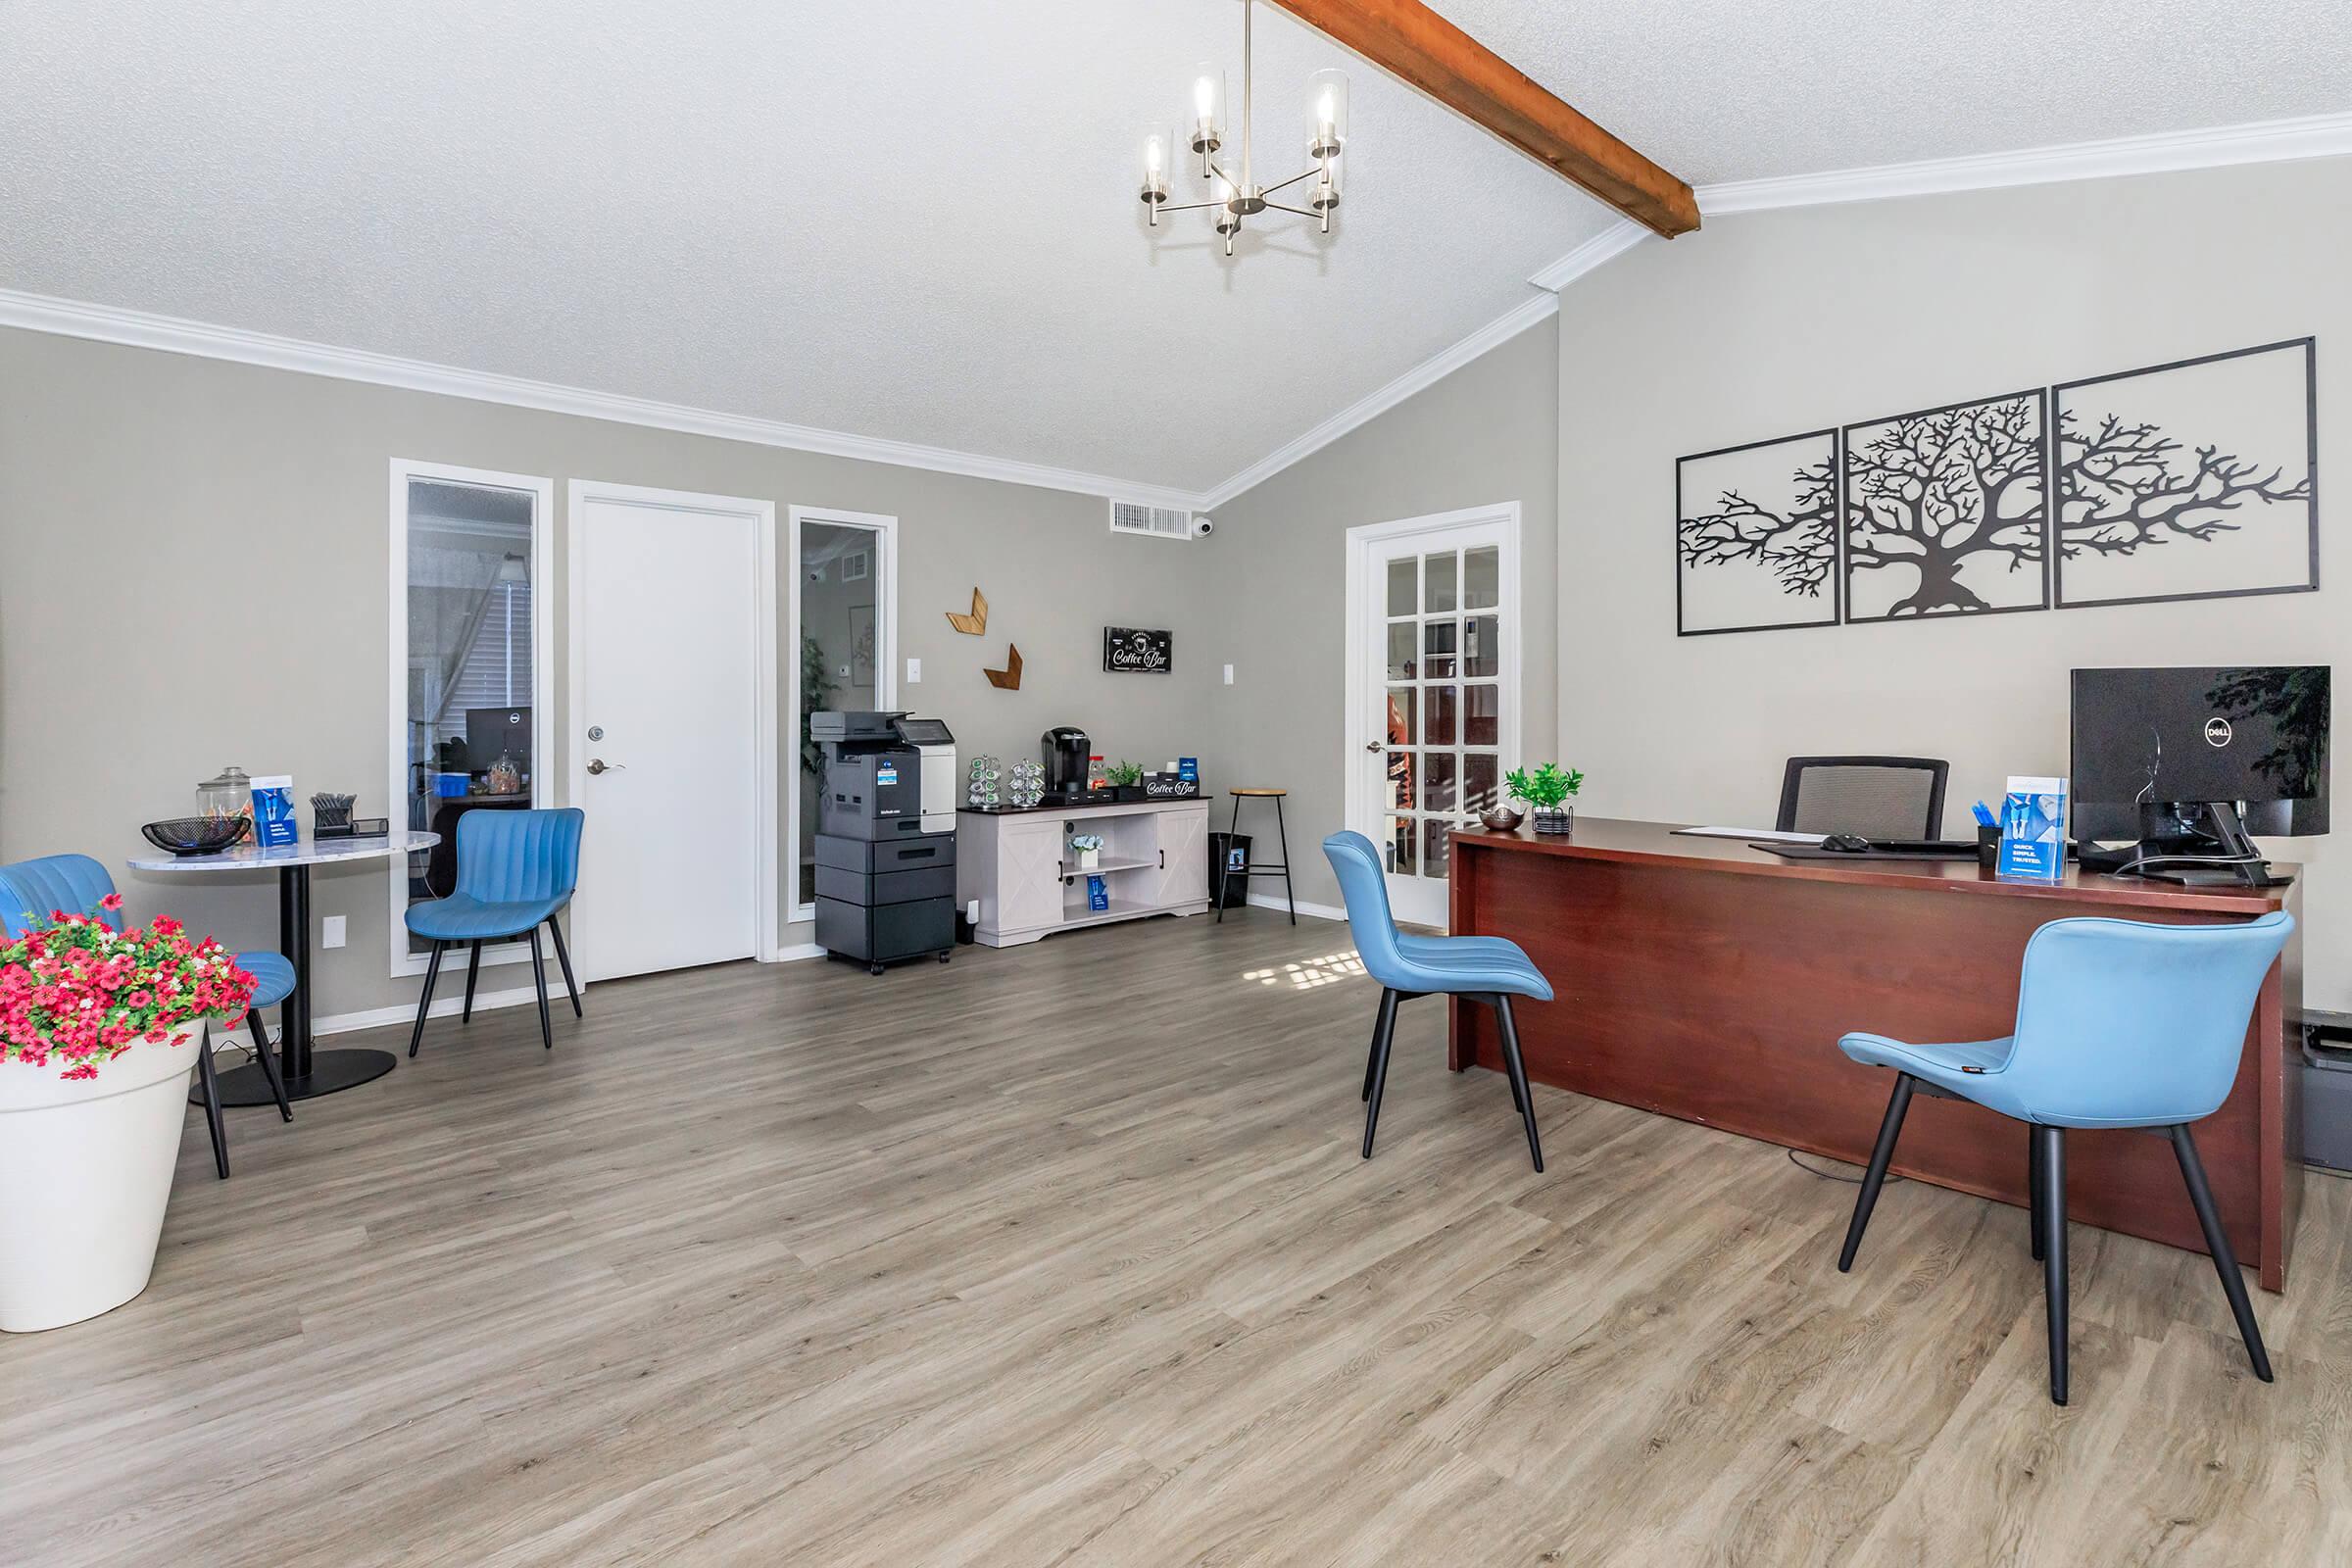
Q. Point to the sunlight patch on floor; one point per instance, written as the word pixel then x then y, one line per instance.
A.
pixel 1307 973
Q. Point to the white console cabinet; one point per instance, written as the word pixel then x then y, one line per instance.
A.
pixel 1019 866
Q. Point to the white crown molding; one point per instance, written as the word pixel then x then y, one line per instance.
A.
pixel 2270 141
pixel 107 324
pixel 1620 236
pixel 1499 330
pixel 2261 142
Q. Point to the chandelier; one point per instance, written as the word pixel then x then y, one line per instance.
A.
pixel 1235 197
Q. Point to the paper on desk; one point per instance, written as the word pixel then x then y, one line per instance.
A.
pixel 1764 834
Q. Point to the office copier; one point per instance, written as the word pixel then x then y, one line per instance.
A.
pixel 885 837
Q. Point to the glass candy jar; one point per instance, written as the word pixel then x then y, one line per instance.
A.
pixel 227 796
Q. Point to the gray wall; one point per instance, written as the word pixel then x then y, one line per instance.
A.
pixel 1774 324
pixel 1489 431
pixel 194 570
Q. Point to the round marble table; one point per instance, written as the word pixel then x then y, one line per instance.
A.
pixel 309 1073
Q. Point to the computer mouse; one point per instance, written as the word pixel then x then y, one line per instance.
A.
pixel 1850 843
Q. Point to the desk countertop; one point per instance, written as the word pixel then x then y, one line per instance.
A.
pixel 1609 838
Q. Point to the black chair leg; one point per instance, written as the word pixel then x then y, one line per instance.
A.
pixel 2036 1178
pixel 1372 1056
pixel 473 972
pixel 1517 1068
pixel 433 972
pixel 1282 836
pixel 269 1063
pixel 212 1105
pixel 1225 871
pixel 2225 1260
pixel 571 986
pixel 2052 1143
pixel 1881 1155
pixel 547 1034
pixel 1383 1036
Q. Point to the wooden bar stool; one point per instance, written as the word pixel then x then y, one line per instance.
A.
pixel 1282 837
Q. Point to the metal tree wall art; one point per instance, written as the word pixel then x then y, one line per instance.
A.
pixel 2193 480
pixel 1945 511
pixel 1756 536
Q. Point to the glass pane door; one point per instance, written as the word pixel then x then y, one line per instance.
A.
pixel 1440 618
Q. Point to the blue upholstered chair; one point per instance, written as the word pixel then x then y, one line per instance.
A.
pixel 516 870
pixel 32 891
pixel 2119 1024
pixel 1487 969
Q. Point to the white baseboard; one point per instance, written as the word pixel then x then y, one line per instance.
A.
pixel 793 954
pixel 1276 901
pixel 339 1023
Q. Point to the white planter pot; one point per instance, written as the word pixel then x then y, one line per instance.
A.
pixel 86 1170
pixel 1089 860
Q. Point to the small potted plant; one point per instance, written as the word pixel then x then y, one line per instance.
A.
pixel 1086 851
pixel 1126 781
pixel 99 1031
pixel 1546 791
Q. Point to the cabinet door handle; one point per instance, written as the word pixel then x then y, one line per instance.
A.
pixel 1163 860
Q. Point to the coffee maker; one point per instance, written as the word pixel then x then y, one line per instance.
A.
pixel 1066 751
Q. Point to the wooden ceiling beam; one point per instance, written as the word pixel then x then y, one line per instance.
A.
pixel 1407 39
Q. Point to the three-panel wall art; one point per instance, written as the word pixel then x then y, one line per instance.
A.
pixel 2197 480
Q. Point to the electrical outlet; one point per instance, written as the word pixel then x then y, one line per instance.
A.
pixel 915 672
pixel 1228 674
pixel 330 931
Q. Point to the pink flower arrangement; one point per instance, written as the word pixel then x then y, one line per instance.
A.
pixel 82 992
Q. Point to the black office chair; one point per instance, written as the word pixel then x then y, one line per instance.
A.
pixel 1875 797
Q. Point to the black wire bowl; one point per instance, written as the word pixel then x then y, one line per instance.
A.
pixel 196 835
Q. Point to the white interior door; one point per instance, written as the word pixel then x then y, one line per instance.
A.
pixel 1433 689
pixel 665 727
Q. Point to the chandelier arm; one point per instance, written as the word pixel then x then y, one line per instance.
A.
pixel 1220 174
pixel 1293 180
pixel 1300 211
pixel 1192 207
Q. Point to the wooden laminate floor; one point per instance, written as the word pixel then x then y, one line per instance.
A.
pixel 1064 1255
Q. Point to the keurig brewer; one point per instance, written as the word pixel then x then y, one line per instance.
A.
pixel 1066 751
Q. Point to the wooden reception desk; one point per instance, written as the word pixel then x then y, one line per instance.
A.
pixel 1699 978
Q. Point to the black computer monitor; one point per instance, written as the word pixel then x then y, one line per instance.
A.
pixel 492 732
pixel 2181 759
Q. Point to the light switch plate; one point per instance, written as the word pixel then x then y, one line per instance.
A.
pixel 915 672
pixel 330 931
pixel 1228 674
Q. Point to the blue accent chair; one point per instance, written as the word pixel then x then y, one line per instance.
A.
pixel 515 870
pixel 1487 969
pixel 30 891
pixel 2119 1024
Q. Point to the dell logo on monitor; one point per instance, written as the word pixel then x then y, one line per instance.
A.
pixel 2217 731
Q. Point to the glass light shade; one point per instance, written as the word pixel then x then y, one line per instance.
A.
pixel 1227 219
pixel 1205 103
pixel 1326 113
pixel 1156 147
pixel 1324 194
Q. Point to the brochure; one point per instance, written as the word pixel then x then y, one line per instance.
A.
pixel 2033 830
pixel 273 810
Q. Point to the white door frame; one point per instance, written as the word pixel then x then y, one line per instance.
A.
pixel 1358 804
pixel 762 515
pixel 543 660
pixel 885 650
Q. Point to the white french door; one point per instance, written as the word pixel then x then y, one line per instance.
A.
pixel 672 741
pixel 1433 689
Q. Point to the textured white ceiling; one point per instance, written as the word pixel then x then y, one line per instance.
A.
pixel 916 219
pixel 1746 90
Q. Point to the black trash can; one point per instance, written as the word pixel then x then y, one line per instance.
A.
pixel 1228 852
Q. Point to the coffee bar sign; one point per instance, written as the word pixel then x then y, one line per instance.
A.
pixel 1127 651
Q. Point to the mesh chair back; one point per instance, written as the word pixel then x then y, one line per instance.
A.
pixel 1876 797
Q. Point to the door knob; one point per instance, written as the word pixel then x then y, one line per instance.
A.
pixel 1371 746
pixel 597 765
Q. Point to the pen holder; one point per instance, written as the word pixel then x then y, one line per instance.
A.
pixel 1989 847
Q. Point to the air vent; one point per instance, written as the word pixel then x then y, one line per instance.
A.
pixel 1161 522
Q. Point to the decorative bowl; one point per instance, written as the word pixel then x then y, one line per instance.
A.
pixel 1501 819
pixel 196 835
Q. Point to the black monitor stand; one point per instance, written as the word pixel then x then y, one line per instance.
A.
pixel 2197 843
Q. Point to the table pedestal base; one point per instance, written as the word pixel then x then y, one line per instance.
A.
pixel 330 1070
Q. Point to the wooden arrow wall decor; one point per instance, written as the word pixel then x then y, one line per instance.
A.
pixel 1007 679
pixel 974 625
